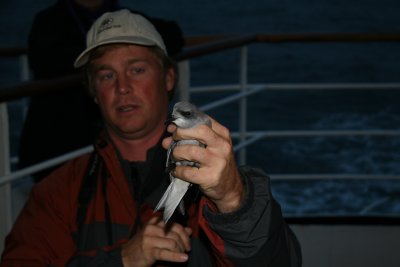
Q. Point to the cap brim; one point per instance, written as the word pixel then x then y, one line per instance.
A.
pixel 83 58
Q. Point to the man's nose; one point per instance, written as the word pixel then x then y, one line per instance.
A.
pixel 124 85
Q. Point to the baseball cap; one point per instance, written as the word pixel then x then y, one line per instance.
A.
pixel 120 26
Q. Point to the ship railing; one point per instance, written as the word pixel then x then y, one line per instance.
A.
pixel 196 47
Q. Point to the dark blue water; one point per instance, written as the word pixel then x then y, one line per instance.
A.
pixel 287 110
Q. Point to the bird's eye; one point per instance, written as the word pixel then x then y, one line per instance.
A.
pixel 186 113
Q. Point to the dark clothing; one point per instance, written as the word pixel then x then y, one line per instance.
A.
pixel 82 213
pixel 61 122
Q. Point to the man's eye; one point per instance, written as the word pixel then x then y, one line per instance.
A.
pixel 105 76
pixel 137 70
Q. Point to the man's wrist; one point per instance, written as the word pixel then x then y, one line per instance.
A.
pixel 233 214
pixel 233 199
pixel 232 202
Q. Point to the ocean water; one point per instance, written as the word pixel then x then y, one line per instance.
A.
pixel 287 110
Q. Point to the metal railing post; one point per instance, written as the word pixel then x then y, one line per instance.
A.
pixel 184 80
pixel 243 104
pixel 24 76
pixel 5 189
pixel 24 68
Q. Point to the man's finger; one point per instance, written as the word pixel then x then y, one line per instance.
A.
pixel 168 255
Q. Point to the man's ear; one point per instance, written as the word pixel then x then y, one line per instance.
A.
pixel 170 79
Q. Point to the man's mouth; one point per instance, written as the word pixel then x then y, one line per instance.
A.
pixel 127 108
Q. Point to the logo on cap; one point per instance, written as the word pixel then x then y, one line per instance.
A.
pixel 107 24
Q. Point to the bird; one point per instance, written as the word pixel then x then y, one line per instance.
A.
pixel 184 115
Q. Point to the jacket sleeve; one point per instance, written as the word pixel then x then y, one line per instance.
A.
pixel 256 234
pixel 41 235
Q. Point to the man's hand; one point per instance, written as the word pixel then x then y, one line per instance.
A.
pixel 154 242
pixel 218 175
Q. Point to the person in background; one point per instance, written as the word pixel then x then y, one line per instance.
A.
pixel 63 121
pixel 98 209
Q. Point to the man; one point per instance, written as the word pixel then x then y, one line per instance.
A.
pixel 98 210
pixel 57 37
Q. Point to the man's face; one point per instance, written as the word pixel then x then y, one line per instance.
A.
pixel 131 90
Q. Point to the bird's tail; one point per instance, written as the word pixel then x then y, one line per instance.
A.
pixel 172 198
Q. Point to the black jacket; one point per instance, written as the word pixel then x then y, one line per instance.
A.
pixel 85 210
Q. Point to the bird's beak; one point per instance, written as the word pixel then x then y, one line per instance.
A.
pixel 170 119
